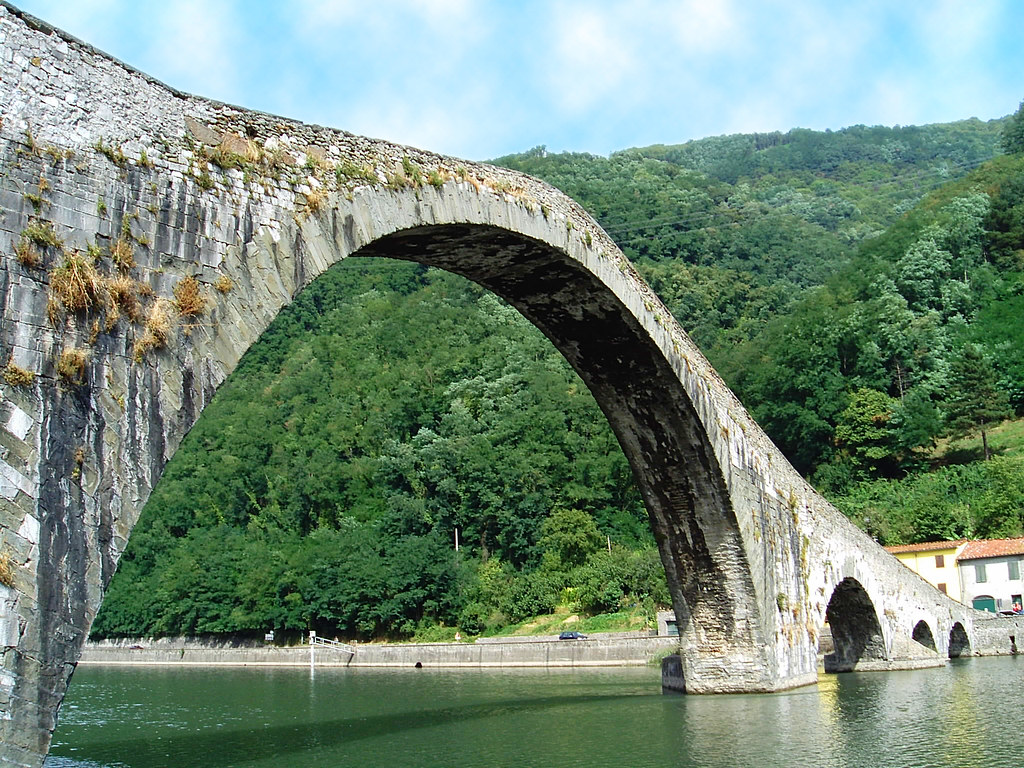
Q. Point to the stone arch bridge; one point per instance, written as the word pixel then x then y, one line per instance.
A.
pixel 148 237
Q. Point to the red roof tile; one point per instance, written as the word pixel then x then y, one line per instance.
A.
pixel 976 550
pixel 928 546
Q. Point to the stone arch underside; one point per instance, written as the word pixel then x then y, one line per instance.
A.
pixel 856 631
pixel 959 642
pixel 635 386
pixel 923 634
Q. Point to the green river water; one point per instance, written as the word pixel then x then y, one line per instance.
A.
pixel 969 714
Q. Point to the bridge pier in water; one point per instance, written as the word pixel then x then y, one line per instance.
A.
pixel 752 554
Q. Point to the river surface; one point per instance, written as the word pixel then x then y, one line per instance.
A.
pixel 967 715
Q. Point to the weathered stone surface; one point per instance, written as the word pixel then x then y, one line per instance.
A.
pixel 753 555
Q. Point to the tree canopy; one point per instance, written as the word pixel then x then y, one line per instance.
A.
pixel 860 290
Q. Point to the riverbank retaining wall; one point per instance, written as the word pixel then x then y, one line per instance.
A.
pixel 595 652
pixel 998 636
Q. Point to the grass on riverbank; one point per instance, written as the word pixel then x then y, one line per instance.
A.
pixel 561 620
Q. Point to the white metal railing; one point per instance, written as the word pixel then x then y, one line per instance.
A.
pixel 334 645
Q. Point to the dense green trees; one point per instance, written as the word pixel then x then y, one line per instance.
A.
pixel 978 500
pixel 1012 138
pixel 842 283
pixel 388 407
pixel 974 402
pixel 837 281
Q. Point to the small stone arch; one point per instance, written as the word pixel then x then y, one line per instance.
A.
pixel 923 634
pixel 959 642
pixel 856 631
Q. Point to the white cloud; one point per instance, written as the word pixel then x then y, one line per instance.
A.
pixel 440 127
pixel 591 54
pixel 194 47
pixel 392 25
pixel 701 27
pixel 954 30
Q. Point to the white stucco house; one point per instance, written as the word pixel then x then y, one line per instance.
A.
pixel 990 574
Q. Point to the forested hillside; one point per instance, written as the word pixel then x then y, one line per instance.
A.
pixel 860 291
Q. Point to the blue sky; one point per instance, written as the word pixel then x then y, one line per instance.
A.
pixel 482 79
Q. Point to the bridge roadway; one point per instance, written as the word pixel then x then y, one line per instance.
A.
pixel 206 219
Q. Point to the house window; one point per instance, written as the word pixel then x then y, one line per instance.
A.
pixel 940 561
pixel 942 587
pixel 979 573
pixel 1014 566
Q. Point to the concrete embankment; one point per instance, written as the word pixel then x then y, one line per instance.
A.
pixel 592 652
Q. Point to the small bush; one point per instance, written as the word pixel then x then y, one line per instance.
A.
pixel 36 200
pixel 428 632
pixel 75 285
pixel 157 331
pixel 397 181
pixel 79 462
pixel 315 199
pixel 113 154
pixel 57 154
pixel 6 570
pixel 71 365
pixel 234 151
pixel 30 142
pixel 124 297
pixel 224 284
pixel 188 299
pixel 17 376
pixel 27 254
pixel 122 254
pixel 347 170
pixel 412 172
pixel 225 160
pixel 474 618
pixel 41 233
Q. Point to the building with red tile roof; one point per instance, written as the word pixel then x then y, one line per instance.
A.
pixel 992 548
pixel 935 562
pixel 990 574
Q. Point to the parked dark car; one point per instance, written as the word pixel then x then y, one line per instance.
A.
pixel 572 636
